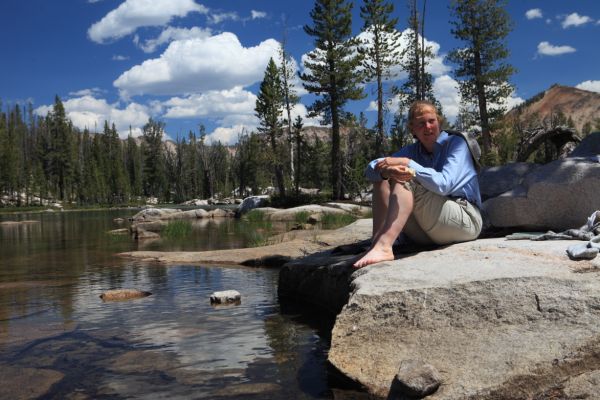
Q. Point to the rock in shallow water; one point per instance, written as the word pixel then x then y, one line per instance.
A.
pixel 123 294
pixel 226 297
pixel 26 383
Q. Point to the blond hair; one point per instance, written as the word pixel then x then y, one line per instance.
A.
pixel 418 107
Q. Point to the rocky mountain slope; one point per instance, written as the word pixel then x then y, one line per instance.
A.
pixel 581 106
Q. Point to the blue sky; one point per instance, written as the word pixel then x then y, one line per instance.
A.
pixel 187 62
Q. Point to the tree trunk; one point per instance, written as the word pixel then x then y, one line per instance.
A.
pixel 379 150
pixel 483 114
pixel 279 181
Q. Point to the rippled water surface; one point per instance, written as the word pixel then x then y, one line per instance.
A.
pixel 58 339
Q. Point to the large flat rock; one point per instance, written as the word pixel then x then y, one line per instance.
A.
pixel 498 319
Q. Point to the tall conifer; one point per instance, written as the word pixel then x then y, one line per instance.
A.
pixel 482 25
pixel 269 104
pixel 331 72
pixel 382 52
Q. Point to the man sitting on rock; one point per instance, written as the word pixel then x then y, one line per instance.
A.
pixel 427 190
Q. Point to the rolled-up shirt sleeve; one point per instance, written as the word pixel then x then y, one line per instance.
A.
pixel 371 174
pixel 456 172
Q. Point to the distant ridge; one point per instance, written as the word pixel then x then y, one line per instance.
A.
pixel 580 105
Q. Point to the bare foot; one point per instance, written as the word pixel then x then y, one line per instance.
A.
pixel 375 255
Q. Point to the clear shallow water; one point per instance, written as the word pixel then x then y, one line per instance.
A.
pixel 172 344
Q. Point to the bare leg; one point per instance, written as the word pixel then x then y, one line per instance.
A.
pixel 381 198
pixel 399 209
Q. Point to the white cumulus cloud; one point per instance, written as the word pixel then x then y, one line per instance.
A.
pixel 94 92
pixel 592 86
pixel 533 13
pixel 234 125
pixel 435 65
pixel 89 112
pixel 198 65
pixel 170 34
pixel 217 18
pixel 445 89
pixel 547 49
pixel 133 14
pixel 575 20
pixel 212 104
pixel 226 135
pixel 258 14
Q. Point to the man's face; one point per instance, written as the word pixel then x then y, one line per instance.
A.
pixel 426 128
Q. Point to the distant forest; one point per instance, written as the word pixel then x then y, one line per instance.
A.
pixel 48 158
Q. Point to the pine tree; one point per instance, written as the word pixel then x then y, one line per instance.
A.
pixel 133 165
pixel 250 164
pixel 269 104
pixel 419 83
pixel 4 150
pixel 331 72
pixel 192 167
pixel 382 52
pixel 298 142
pixel 290 98
pixel 155 181
pixel 482 25
pixel 62 152
pixel 400 136
pixel 114 171
pixel 317 168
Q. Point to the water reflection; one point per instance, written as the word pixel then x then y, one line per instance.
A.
pixel 172 344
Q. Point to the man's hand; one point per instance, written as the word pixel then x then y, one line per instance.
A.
pixel 395 168
pixel 398 173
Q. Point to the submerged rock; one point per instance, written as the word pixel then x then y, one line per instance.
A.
pixel 26 383
pixel 141 234
pixel 120 231
pixel 25 222
pixel 226 297
pixel 247 389
pixel 123 294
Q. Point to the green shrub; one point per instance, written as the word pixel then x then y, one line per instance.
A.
pixel 300 199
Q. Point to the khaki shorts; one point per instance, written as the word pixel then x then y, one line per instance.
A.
pixel 439 219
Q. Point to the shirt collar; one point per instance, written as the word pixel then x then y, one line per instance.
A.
pixel 443 136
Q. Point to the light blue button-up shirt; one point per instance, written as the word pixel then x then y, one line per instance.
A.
pixel 448 171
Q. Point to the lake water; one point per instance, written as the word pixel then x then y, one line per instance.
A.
pixel 59 340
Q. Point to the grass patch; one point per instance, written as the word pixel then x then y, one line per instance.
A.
pixel 301 217
pixel 255 216
pixel 334 221
pixel 256 228
pixel 257 239
pixel 177 229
